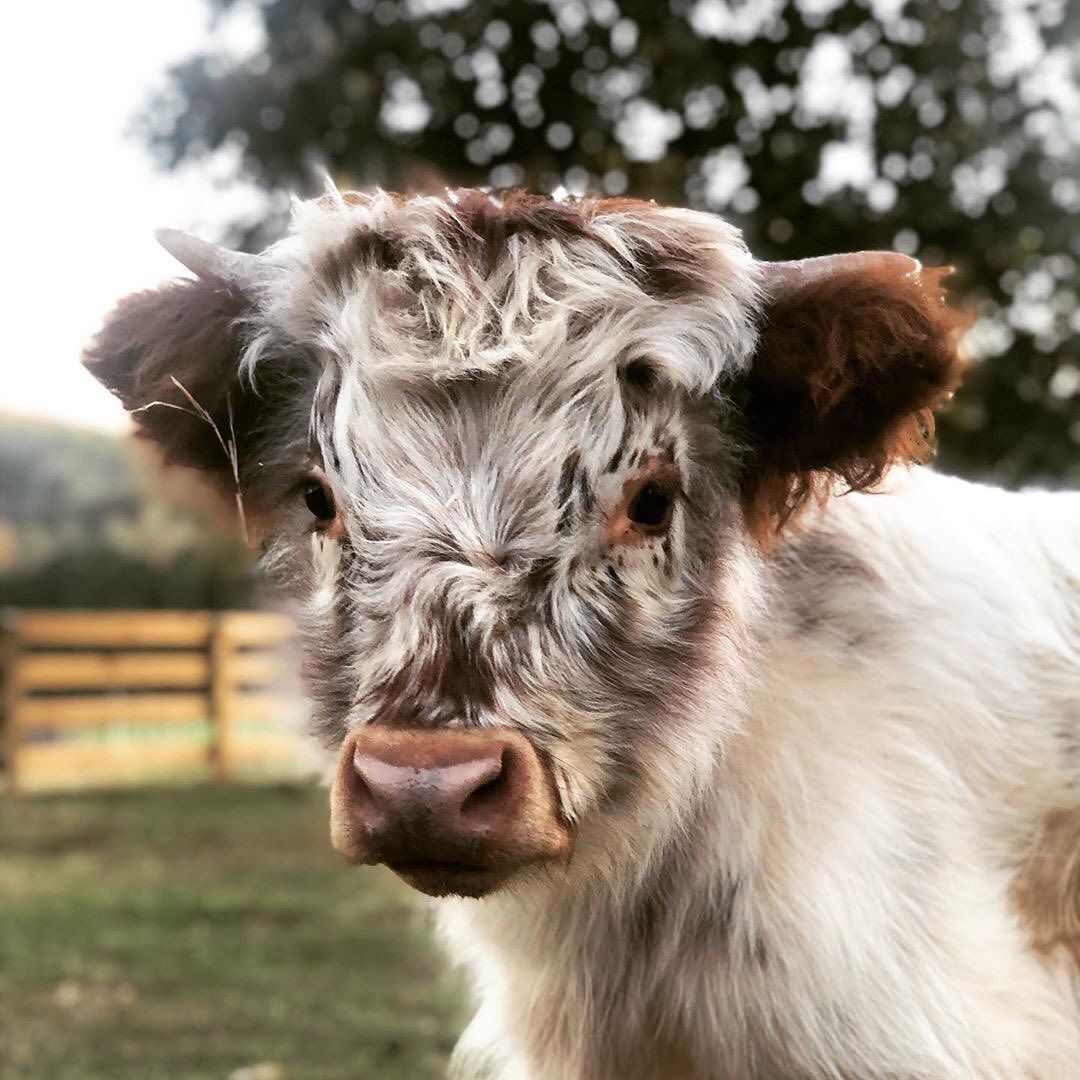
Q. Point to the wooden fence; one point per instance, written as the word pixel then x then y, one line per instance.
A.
pixel 113 697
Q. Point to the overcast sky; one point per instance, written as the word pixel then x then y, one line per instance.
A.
pixel 82 199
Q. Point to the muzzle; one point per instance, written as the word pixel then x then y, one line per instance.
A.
pixel 449 811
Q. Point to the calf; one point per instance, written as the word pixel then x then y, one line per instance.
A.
pixel 719 774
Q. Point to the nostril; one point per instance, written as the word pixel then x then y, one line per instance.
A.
pixel 358 776
pixel 484 791
pixel 364 797
pixel 494 789
pixel 489 789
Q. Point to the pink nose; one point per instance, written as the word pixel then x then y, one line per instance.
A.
pixel 448 810
pixel 466 799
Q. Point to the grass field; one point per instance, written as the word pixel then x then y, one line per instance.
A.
pixel 196 933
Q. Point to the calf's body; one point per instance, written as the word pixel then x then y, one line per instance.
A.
pixel 721 768
pixel 849 895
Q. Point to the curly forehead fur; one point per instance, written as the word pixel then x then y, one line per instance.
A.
pixel 417 293
pixel 470 285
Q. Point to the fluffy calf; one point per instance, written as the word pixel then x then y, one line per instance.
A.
pixel 718 774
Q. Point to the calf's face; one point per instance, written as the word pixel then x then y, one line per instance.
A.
pixel 514 458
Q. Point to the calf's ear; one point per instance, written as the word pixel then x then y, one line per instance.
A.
pixel 172 357
pixel 855 352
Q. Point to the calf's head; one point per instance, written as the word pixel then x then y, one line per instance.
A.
pixel 518 459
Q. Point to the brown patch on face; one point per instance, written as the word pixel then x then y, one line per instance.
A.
pixel 847 373
pixel 366 248
pixel 666 269
pixel 518 213
pixel 672 274
pixel 482 226
pixel 449 683
pixel 354 198
pixel 1046 889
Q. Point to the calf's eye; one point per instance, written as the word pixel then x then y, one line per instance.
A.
pixel 320 501
pixel 650 510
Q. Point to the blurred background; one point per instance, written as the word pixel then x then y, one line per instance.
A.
pixel 150 928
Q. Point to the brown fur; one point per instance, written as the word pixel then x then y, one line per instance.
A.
pixel 1046 890
pixel 847 373
pixel 483 227
pixel 365 247
pixel 456 678
pixel 185 330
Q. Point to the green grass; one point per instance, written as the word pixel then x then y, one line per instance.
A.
pixel 189 933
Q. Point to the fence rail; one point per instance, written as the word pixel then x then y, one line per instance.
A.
pixel 101 698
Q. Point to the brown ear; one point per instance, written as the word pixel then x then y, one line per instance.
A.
pixel 171 355
pixel 855 352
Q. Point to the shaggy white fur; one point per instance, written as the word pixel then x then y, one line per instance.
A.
pixel 910 714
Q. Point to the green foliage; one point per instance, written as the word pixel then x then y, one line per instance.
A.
pixel 946 128
pixel 183 934
pixel 213 576
pixel 86 521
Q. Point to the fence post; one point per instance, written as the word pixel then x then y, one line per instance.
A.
pixel 9 686
pixel 220 653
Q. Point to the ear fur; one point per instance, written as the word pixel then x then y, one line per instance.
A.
pixel 847 372
pixel 184 331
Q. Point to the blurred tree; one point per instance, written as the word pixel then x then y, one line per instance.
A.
pixel 213 576
pixel 945 128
